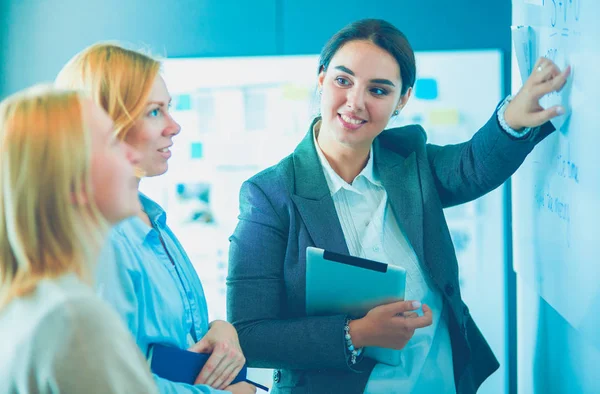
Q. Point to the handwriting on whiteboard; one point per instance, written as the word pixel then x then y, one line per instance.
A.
pixel 568 10
pixel 567 169
pixel 554 204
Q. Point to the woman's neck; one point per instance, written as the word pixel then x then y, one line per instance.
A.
pixel 145 218
pixel 346 161
pixel 141 213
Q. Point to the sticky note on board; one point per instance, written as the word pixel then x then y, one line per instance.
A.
pixel 196 150
pixel 426 89
pixel 294 92
pixel 183 102
pixel 444 117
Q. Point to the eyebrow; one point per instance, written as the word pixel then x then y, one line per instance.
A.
pixel 161 103
pixel 377 80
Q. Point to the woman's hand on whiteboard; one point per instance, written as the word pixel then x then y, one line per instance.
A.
pixel 390 325
pixel 525 110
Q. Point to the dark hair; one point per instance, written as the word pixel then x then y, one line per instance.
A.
pixel 384 35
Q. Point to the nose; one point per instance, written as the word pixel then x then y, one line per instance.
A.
pixel 355 99
pixel 173 128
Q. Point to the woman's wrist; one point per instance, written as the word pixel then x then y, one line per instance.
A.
pixel 356 332
pixel 507 124
pixel 353 351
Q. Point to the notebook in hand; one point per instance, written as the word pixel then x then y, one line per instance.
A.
pixel 183 366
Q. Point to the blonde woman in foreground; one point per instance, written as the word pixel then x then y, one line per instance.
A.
pixel 64 179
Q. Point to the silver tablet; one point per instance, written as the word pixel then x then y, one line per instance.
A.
pixel 342 284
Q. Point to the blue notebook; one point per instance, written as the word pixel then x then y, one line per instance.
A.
pixel 183 366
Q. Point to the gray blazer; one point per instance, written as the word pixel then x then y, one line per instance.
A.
pixel 288 207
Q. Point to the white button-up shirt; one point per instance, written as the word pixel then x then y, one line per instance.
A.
pixel 372 231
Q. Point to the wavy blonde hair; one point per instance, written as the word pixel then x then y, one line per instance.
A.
pixel 118 79
pixel 49 223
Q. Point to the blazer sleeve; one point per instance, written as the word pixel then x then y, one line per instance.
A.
pixel 271 336
pixel 466 171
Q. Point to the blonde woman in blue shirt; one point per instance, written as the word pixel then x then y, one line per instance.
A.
pixel 64 179
pixel 147 276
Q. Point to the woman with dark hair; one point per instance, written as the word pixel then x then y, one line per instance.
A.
pixel 352 187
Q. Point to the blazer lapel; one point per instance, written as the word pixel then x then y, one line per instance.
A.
pixel 313 198
pixel 400 177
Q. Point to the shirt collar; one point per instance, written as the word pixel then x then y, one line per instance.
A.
pixel 153 210
pixel 135 227
pixel 336 182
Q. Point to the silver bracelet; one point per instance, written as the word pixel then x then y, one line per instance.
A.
pixel 354 352
pixel 509 130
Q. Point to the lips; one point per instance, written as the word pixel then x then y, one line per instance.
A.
pixel 165 152
pixel 351 119
pixel 350 122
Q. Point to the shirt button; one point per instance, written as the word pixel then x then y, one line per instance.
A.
pixel 376 249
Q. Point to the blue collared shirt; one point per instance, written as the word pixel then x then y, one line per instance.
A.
pixel 371 231
pixel 157 293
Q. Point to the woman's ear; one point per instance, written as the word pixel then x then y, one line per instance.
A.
pixel 321 79
pixel 404 99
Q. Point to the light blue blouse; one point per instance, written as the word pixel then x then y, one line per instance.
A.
pixel 157 293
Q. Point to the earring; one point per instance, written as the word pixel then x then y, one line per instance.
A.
pixel 139 172
pixel 396 112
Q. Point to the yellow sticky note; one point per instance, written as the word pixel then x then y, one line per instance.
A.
pixel 294 92
pixel 444 117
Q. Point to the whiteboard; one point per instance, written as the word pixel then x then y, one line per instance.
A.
pixel 556 193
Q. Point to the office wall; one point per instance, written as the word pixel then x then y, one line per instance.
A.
pixel 429 24
pixel 39 36
pixel 43 34
pixel 3 41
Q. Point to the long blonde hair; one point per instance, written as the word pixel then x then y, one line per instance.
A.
pixel 49 223
pixel 118 79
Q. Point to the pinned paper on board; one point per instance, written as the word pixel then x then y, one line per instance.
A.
pixel 523 42
pixel 550 43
